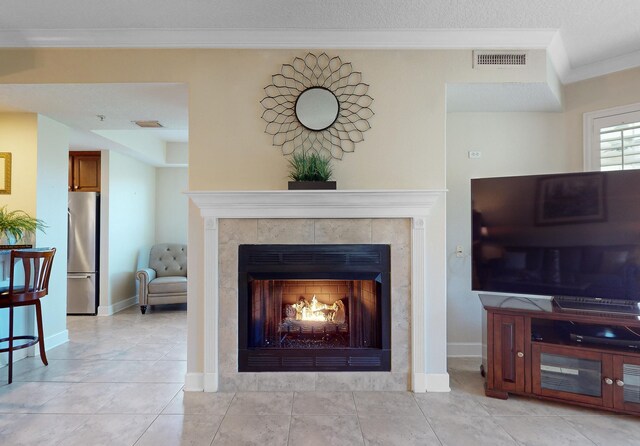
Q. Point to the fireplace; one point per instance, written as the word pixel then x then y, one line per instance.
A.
pixel 314 308
pixel 412 223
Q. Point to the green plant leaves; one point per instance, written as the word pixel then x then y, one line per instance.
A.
pixel 310 167
pixel 18 223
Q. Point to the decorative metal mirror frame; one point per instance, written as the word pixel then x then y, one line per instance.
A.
pixel 354 106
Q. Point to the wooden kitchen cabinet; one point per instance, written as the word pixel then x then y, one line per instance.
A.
pixel 84 171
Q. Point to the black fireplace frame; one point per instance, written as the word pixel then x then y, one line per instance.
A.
pixel 314 262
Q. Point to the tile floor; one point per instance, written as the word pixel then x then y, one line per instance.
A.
pixel 119 382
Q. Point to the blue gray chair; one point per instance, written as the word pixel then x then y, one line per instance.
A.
pixel 163 279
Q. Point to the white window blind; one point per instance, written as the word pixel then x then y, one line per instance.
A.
pixel 620 147
pixel 612 138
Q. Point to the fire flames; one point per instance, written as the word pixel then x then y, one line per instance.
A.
pixel 314 310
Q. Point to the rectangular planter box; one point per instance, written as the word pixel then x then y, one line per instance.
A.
pixel 312 185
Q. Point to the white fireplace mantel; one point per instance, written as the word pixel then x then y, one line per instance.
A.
pixel 425 208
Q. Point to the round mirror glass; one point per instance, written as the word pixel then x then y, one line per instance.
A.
pixel 317 108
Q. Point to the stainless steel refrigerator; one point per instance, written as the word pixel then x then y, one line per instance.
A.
pixel 82 261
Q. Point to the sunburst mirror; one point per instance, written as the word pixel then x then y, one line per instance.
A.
pixel 317 104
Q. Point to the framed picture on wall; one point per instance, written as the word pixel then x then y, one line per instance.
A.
pixel 578 198
pixel 5 173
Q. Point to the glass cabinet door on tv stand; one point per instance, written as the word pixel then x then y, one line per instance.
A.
pixel 626 383
pixel 571 374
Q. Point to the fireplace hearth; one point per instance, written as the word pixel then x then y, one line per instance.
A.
pixel 314 308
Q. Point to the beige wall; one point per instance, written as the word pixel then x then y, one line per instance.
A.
pixel 132 204
pixel 228 147
pixel 405 148
pixel 52 199
pixel 613 90
pixel 511 144
pixel 19 136
pixel 39 148
pixel 172 205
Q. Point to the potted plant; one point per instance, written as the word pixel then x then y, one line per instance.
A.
pixel 15 225
pixel 310 171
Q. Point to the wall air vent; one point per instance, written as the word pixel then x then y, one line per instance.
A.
pixel 499 59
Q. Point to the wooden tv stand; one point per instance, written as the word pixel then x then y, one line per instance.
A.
pixel 544 353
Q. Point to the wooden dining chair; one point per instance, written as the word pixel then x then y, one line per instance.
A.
pixel 36 264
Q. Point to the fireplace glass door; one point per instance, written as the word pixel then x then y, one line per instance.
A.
pixel 314 307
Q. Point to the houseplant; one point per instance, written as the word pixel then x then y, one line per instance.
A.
pixel 15 225
pixel 310 171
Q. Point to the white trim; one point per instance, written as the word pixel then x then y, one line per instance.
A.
pixel 481 38
pixel 603 67
pixel 55 340
pixel 315 204
pixel 568 74
pixel 437 382
pixel 464 350
pixel 559 58
pixel 418 304
pixel 428 303
pixel 17 356
pixel 419 382
pixel 211 304
pixel 588 161
pixel 109 310
pixel 276 38
pixel 194 382
pixel 50 342
pixel 591 160
pixel 211 381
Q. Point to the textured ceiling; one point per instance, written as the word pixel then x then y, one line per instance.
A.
pixel 592 31
pixel 78 106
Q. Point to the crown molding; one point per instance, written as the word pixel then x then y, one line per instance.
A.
pixel 275 38
pixel 559 58
pixel 281 38
pixel 601 68
pixel 569 74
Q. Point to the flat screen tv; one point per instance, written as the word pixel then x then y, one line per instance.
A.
pixel 571 235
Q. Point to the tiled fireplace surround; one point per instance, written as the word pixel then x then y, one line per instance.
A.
pixel 411 222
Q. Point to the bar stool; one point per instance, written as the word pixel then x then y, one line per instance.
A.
pixel 37 269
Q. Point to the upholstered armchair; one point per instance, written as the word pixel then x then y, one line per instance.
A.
pixel 162 275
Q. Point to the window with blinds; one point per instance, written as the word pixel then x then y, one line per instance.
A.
pixel 620 147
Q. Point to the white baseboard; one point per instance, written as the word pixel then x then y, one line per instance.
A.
pixel 464 349
pixel 437 382
pixel 210 382
pixel 194 382
pixel 108 310
pixel 419 382
pixel 54 340
pixel 49 342
pixel 17 356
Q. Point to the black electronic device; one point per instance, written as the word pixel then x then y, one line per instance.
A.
pixel 573 235
pixel 622 337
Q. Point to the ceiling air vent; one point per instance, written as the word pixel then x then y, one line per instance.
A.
pixel 499 59
pixel 148 124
